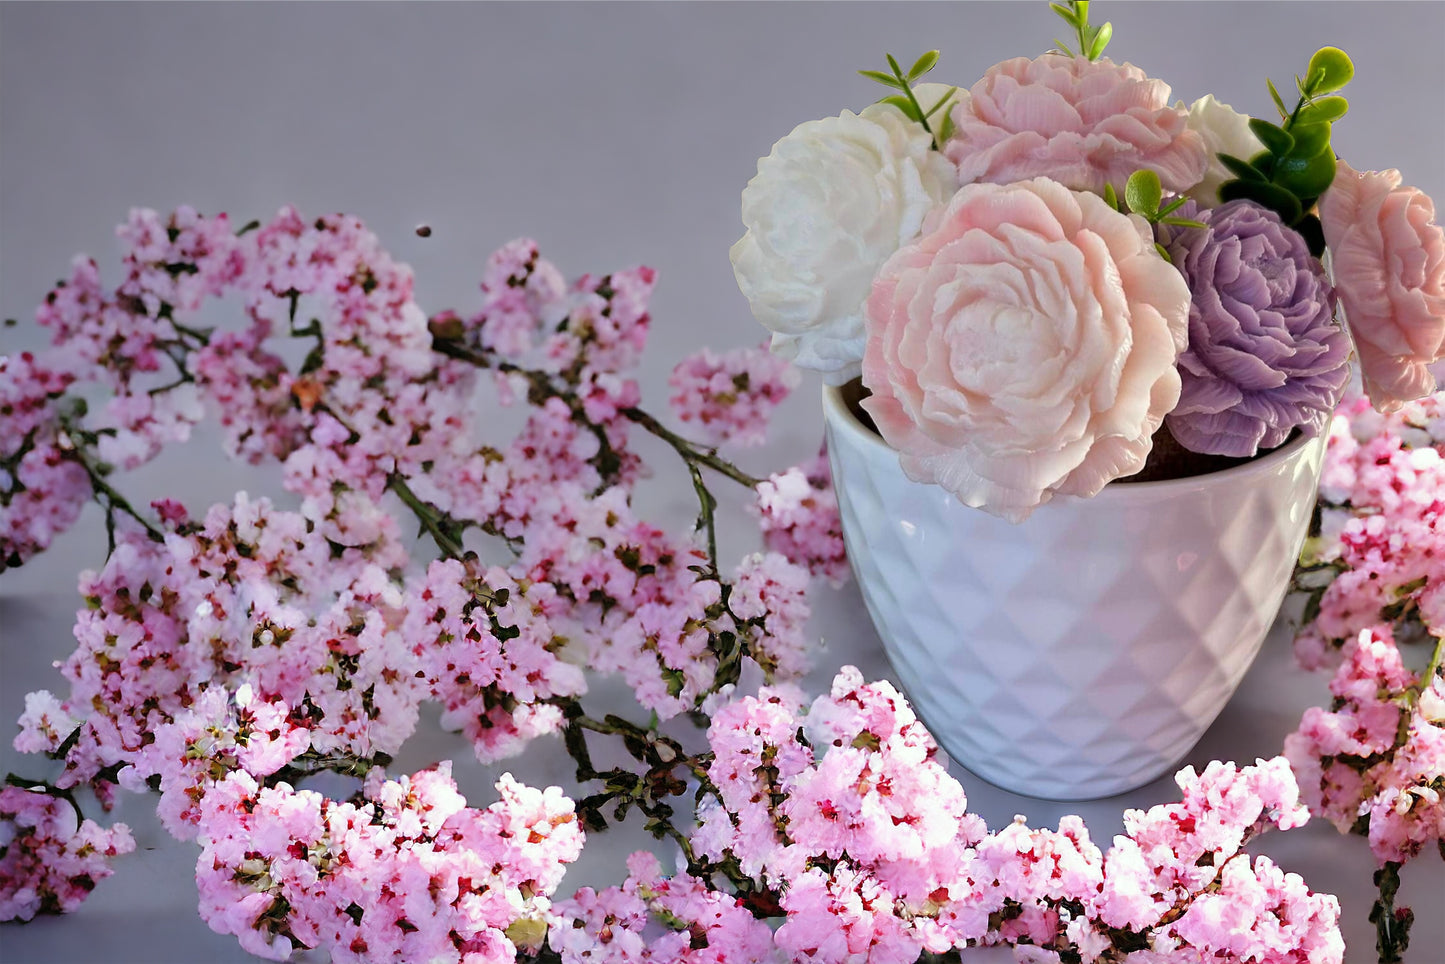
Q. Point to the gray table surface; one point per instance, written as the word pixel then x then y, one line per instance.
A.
pixel 614 134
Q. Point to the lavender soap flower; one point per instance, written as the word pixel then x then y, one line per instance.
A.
pixel 1265 356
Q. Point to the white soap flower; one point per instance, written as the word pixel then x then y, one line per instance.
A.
pixel 828 206
pixel 1225 131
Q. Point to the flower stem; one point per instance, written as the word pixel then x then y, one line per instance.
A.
pixel 540 386
pixel 441 527
pixel 1417 689
pixel 107 495
pixel 1435 660
pixel 50 790
pixel 908 92
pixel 662 755
pixel 691 452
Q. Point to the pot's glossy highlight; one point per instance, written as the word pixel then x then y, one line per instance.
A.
pixel 1083 652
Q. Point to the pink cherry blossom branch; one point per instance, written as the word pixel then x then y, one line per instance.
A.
pixel 541 387
pixel 109 498
pixel 49 789
pixel 444 531
pixel 691 452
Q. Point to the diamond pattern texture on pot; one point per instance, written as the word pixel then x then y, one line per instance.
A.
pixel 1083 652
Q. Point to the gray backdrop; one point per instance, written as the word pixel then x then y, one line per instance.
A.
pixel 614 134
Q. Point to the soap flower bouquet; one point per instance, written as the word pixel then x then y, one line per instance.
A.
pixel 1046 277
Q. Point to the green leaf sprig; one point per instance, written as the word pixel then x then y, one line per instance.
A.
pixel 1143 195
pixel 1297 164
pixel 942 126
pixel 1092 40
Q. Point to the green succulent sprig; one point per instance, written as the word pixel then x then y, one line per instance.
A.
pixel 1092 40
pixel 1297 164
pixel 1143 195
pixel 906 101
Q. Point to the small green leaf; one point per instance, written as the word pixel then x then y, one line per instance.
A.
pixel 905 105
pixel 1172 206
pixel 1278 100
pixel 1310 139
pixel 1183 222
pixel 1101 40
pixel 1142 192
pixel 1277 199
pixel 1163 252
pixel 882 78
pixel 941 101
pixel 894 64
pixel 1242 169
pixel 942 129
pixel 1276 139
pixel 1330 69
pixel 1111 197
pixel 1306 176
pixel 923 65
pixel 1064 12
pixel 1323 109
pixel 1063 46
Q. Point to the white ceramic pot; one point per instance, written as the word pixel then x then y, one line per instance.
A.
pixel 1083 652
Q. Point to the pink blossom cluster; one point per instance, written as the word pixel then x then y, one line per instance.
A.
pixel 42 486
pixel 408 873
pixel 797 511
pixel 652 918
pixel 530 312
pixel 769 610
pixel 730 397
pixel 1375 761
pixel 218 735
pixel 246 601
pixel 845 816
pixel 646 606
pixel 370 399
pixel 130 672
pixel 567 349
pixel 376 403
pixel 136 337
pixel 50 859
pixel 253 394
pixel 489 654
pixel 1382 498
pixel 258 645
pixel 174 265
pixel 524 295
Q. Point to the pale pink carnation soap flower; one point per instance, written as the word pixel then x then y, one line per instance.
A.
pixel 1024 346
pixel 1084 123
pixel 1388 258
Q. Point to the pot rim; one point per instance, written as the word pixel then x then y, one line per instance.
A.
pixel 837 412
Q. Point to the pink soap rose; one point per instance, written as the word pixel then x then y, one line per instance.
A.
pixel 1388 257
pixel 1083 123
pixel 1024 346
